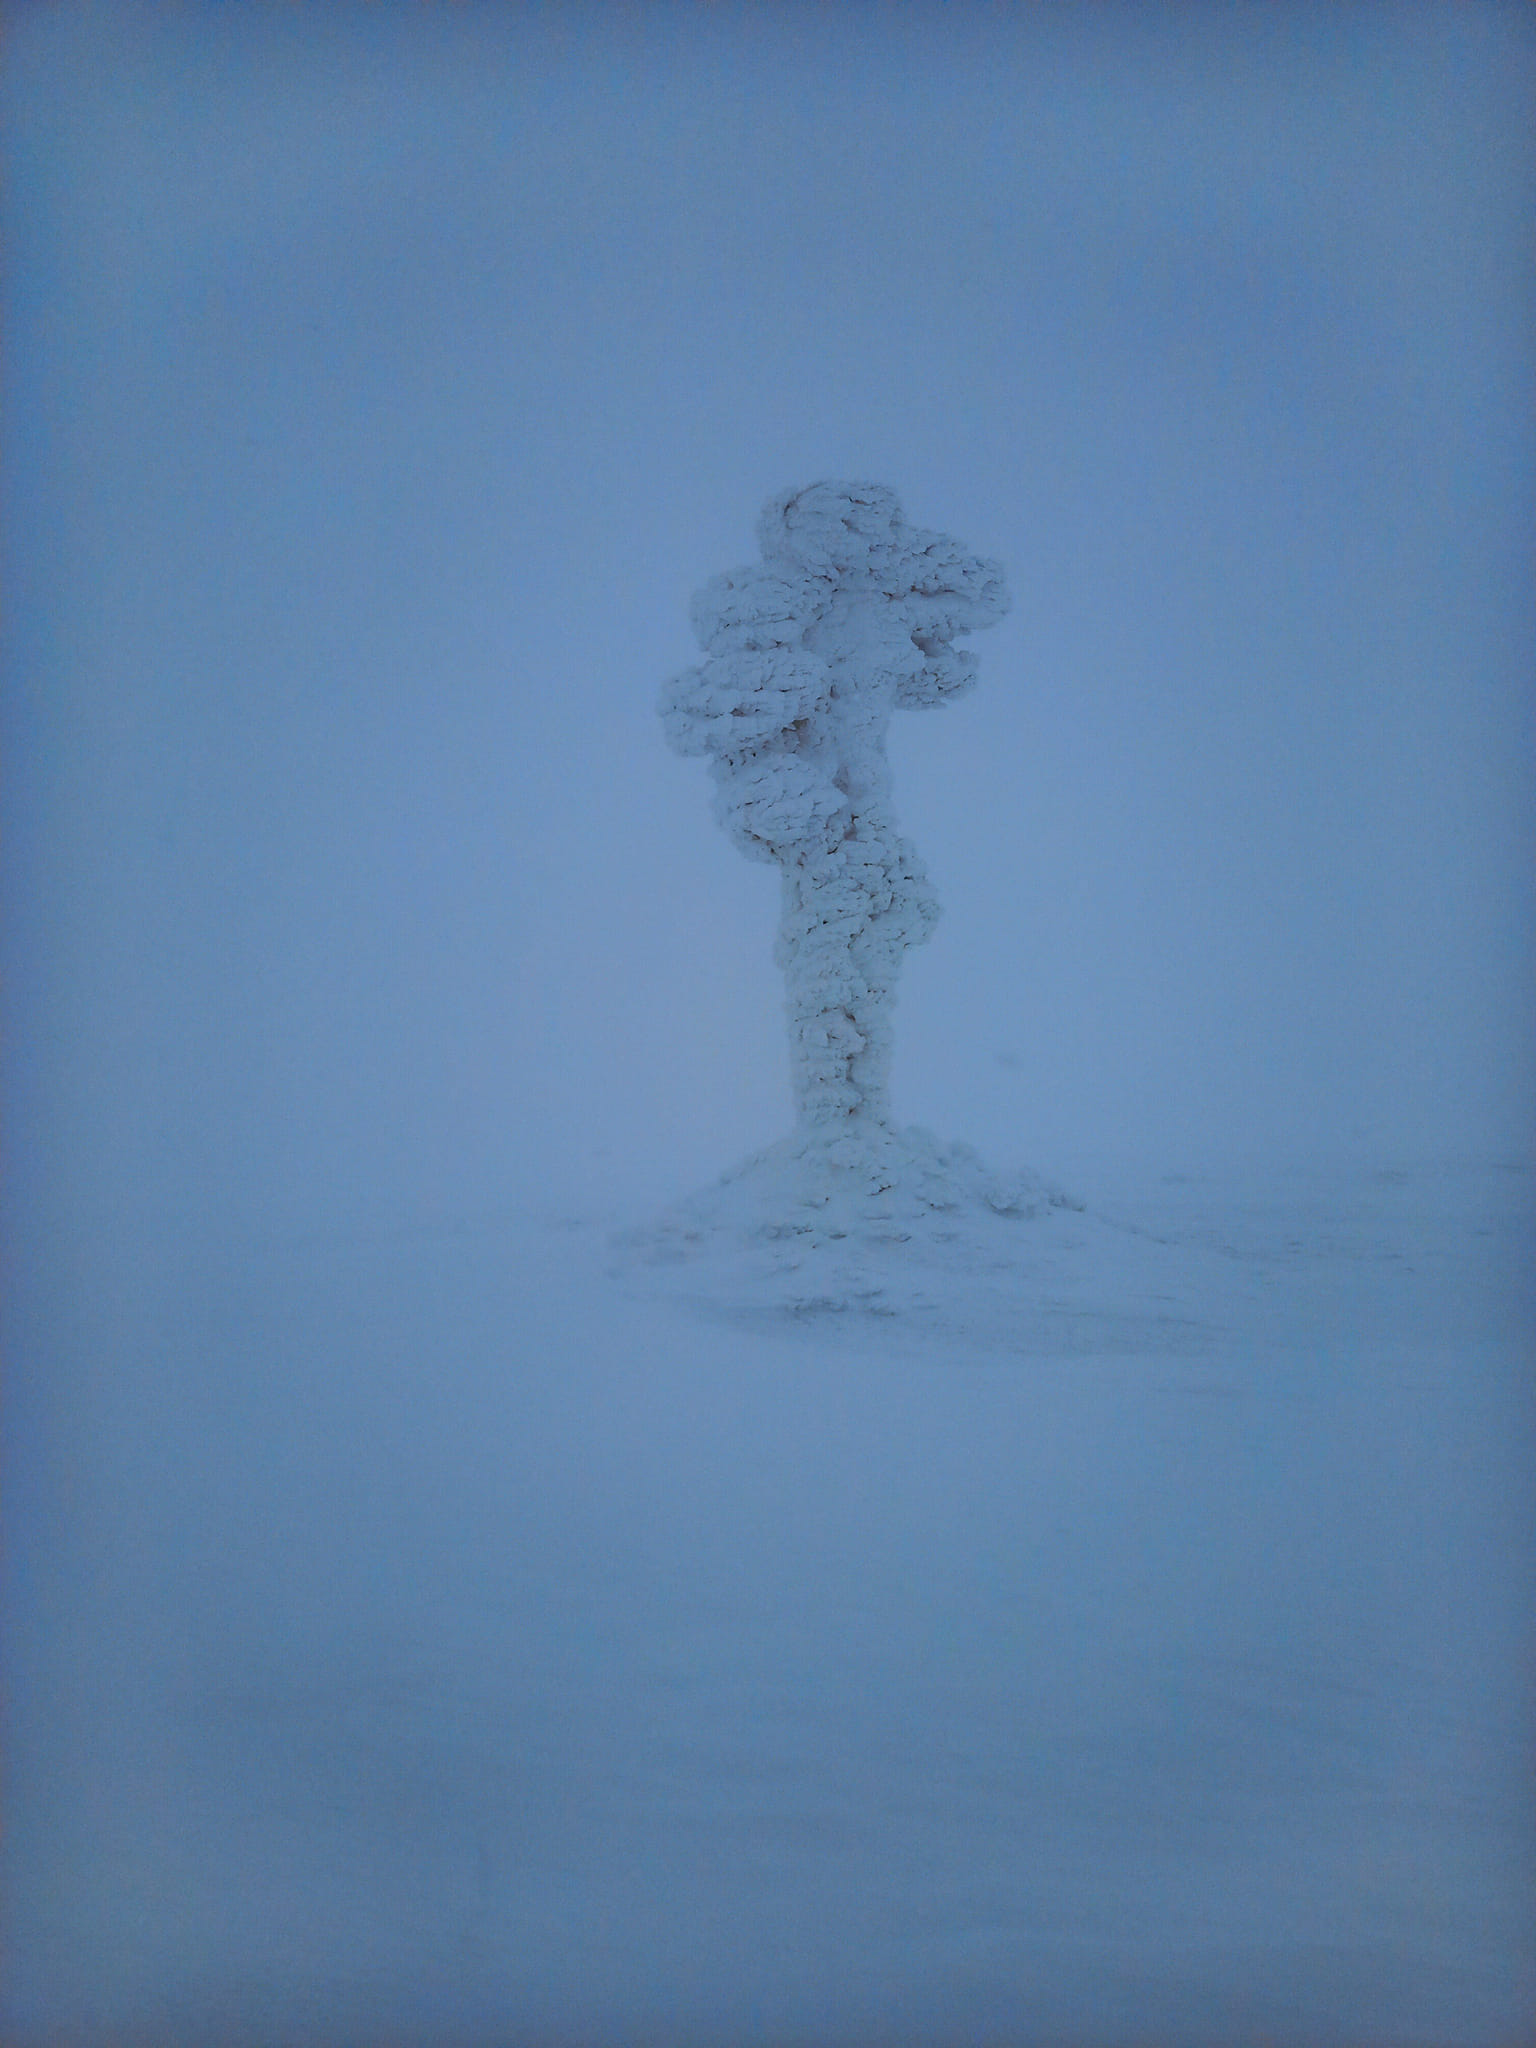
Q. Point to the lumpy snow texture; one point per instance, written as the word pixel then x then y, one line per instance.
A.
pixel 879 1221
pixel 850 614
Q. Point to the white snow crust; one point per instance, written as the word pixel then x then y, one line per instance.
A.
pixel 849 616
pixel 922 1236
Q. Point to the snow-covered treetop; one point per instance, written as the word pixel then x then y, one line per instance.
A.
pixel 854 535
pixel 835 555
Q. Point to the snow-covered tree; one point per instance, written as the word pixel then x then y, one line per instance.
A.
pixel 851 614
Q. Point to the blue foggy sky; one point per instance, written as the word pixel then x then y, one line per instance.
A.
pixel 385 379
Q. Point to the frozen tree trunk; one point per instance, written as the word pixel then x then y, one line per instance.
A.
pixel 850 910
pixel 849 616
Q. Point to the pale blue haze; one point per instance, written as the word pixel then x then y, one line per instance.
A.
pixel 409 1624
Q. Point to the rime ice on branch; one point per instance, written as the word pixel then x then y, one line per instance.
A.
pixel 850 614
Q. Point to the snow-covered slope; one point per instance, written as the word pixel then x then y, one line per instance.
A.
pixel 1075 1624
pixel 931 1244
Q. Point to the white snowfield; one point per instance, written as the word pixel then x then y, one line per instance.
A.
pixel 1025 1624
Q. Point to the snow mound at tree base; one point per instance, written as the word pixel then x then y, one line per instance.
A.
pixel 894 1230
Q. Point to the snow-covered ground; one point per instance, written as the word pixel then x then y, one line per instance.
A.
pixel 1112 1627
